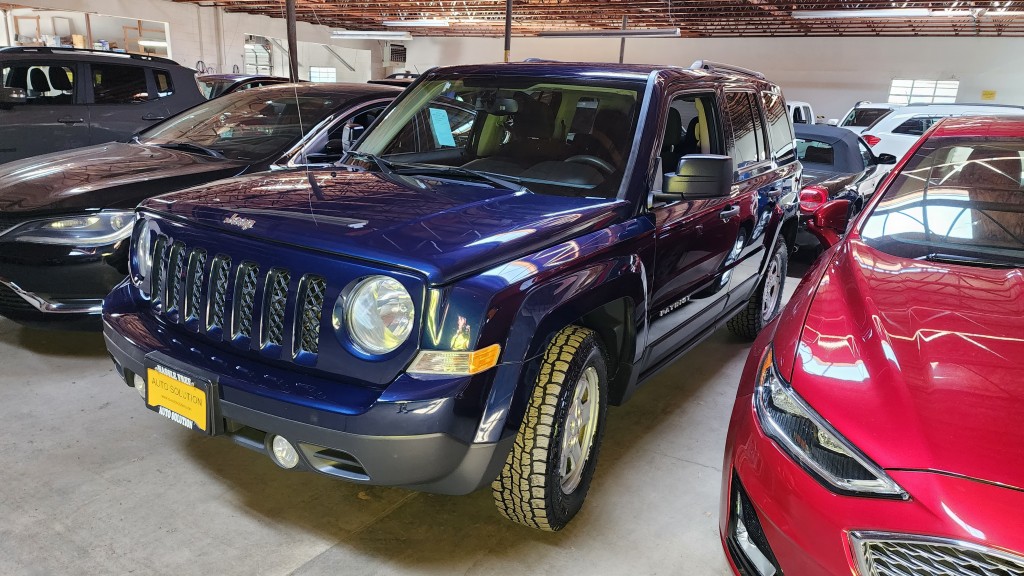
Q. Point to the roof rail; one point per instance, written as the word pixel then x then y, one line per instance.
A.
pixel 714 66
pixel 542 60
pixel 60 50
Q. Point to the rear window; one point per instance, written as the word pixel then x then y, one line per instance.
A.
pixel 163 83
pixel 865 116
pixel 958 200
pixel 917 125
pixel 815 152
pixel 780 131
pixel 118 84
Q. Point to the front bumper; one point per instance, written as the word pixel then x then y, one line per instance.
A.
pixel 423 444
pixel 808 529
pixel 58 286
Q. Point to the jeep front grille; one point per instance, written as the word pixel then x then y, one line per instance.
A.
pixel 276 301
pixel 312 290
pixel 883 554
pixel 225 301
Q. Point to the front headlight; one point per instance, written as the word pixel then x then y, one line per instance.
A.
pixel 142 254
pixel 88 230
pixel 813 442
pixel 378 313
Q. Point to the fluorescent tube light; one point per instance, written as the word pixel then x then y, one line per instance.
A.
pixel 369 35
pixel 881 13
pixel 153 43
pixel 422 23
pixel 635 33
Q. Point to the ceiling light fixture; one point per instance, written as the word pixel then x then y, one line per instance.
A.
pixel 900 13
pixel 636 33
pixel 422 23
pixel 153 43
pixel 370 35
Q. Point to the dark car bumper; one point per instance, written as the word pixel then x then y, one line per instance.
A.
pixel 58 286
pixel 421 444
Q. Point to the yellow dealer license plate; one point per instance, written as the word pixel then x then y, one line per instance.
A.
pixel 177 397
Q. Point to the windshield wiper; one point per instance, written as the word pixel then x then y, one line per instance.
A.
pixel 189 147
pixel 510 184
pixel 971 261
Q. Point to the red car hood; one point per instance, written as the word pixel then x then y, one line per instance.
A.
pixel 921 365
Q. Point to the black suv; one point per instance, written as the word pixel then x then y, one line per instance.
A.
pixel 510 249
pixel 53 99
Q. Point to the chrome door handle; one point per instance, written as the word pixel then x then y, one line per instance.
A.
pixel 70 121
pixel 728 213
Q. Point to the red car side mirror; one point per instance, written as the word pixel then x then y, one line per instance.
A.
pixel 829 221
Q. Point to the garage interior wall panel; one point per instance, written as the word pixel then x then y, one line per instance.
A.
pixel 830 73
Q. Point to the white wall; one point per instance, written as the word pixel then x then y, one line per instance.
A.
pixel 216 37
pixel 830 73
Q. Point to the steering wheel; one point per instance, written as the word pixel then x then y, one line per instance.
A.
pixel 599 163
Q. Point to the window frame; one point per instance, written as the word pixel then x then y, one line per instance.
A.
pixel 718 138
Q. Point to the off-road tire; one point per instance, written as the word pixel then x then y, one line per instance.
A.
pixel 751 320
pixel 529 490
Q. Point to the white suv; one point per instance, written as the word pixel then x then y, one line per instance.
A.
pixel 864 114
pixel 896 132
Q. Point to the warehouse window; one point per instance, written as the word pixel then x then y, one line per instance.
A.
pixel 923 91
pixel 322 74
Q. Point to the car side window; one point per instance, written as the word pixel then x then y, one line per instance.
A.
pixel 118 84
pixel 865 153
pixel 691 127
pixel 164 87
pixel 798 115
pixel 917 125
pixel 815 152
pixel 332 145
pixel 780 131
pixel 48 83
pixel 745 140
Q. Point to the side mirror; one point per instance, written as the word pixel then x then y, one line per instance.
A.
pixel 886 159
pixel 350 135
pixel 699 176
pixel 829 221
pixel 9 96
pixel 833 122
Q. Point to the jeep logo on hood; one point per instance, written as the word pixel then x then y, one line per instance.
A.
pixel 243 223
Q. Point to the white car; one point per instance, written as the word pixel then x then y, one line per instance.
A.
pixel 864 114
pixel 896 132
pixel 801 112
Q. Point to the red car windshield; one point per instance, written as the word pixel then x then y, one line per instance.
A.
pixel 958 200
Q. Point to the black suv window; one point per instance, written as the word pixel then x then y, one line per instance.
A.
pixel 917 125
pixel 780 131
pixel 49 83
pixel 164 87
pixel 746 143
pixel 118 84
pixel 690 128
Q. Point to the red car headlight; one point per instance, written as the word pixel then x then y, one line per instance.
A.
pixel 812 442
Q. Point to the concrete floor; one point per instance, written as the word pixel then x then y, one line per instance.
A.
pixel 93 483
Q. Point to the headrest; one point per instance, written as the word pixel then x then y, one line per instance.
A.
pixel 59 79
pixel 38 80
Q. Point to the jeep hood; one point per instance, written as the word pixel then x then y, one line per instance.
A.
pixel 112 175
pixel 919 364
pixel 442 228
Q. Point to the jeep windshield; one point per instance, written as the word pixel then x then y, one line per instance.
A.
pixel 249 125
pixel 959 201
pixel 546 134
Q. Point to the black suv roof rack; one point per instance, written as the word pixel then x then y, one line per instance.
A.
pixel 58 50
pixel 718 66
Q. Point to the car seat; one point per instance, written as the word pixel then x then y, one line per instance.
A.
pixel 59 81
pixel 671 146
pixel 691 140
pixel 38 82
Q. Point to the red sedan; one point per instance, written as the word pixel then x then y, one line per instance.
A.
pixel 878 425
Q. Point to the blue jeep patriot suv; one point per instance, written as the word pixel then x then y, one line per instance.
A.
pixel 508 250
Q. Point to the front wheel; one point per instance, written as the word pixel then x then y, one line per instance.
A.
pixel 547 474
pixel 766 301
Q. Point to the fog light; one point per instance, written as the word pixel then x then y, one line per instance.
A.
pixel 284 453
pixel 140 386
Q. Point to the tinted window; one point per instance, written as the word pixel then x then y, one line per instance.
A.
pixel 917 125
pixel 798 116
pixel 865 153
pixel 744 131
pixel 957 199
pixel 815 152
pixel 117 84
pixel 44 84
pixel 780 131
pixel 163 83
pixel 865 116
